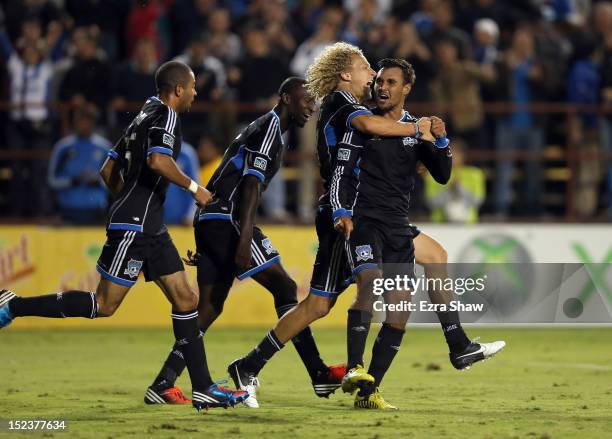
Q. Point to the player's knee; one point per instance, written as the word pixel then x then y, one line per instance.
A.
pixel 106 308
pixel 437 255
pixel 186 300
pixel 318 308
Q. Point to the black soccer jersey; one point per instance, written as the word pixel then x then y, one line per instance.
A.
pixel 140 204
pixel 334 128
pixel 381 171
pixel 257 151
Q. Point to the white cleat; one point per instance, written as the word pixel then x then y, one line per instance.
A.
pixel 475 352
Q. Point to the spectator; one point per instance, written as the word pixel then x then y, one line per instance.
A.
pixel 210 74
pixel 87 80
pixel 74 169
pixel 326 34
pixel 108 15
pixel 30 70
pixel 458 200
pixel 279 29
pixel 210 85
pixel 443 29
pixel 412 49
pixel 456 89
pixel 223 44
pixel 603 13
pixel 188 18
pixel 257 75
pixel 179 207
pixel 134 81
pixel 583 85
pixel 519 80
pixel 381 41
pixel 210 159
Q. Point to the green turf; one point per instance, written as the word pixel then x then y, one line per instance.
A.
pixel 548 383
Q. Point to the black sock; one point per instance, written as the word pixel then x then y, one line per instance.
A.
pixel 173 368
pixel 187 334
pixel 60 305
pixel 306 347
pixel 385 348
pixel 258 357
pixel 453 332
pixel 358 327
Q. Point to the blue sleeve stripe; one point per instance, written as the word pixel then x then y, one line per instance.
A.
pixel 160 150
pixel 354 114
pixel 341 212
pixel 255 173
pixel 113 154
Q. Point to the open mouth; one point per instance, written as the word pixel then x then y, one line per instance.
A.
pixel 383 96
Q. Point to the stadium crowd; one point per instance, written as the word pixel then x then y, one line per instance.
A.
pixel 74 72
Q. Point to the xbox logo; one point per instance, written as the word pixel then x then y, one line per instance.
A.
pixel 508 267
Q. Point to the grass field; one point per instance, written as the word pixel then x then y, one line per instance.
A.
pixel 548 383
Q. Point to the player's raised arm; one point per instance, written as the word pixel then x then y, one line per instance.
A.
pixel 437 156
pixel 381 126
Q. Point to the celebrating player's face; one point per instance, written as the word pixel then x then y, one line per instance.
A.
pixel 389 88
pixel 189 94
pixel 362 76
pixel 302 106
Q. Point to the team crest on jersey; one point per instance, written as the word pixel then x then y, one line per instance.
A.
pixel 168 140
pixel 364 252
pixel 409 141
pixel 267 245
pixel 260 163
pixel 133 268
pixel 344 154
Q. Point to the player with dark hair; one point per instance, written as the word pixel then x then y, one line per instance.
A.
pixel 229 244
pixel 137 172
pixel 371 190
pixel 341 76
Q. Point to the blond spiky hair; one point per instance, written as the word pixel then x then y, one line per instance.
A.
pixel 323 75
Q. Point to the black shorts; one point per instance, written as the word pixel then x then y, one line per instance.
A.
pixel 330 274
pixel 216 243
pixel 374 243
pixel 126 253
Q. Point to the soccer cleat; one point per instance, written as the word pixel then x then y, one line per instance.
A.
pixel 217 396
pixel 373 401
pixel 6 317
pixel 246 381
pixel 329 383
pixel 172 395
pixel 356 378
pixel 475 352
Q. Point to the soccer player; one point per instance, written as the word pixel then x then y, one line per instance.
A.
pixel 137 173
pixel 229 244
pixel 342 77
pixel 380 232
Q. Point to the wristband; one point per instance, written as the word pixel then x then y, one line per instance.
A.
pixel 441 142
pixel 193 187
pixel 418 133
